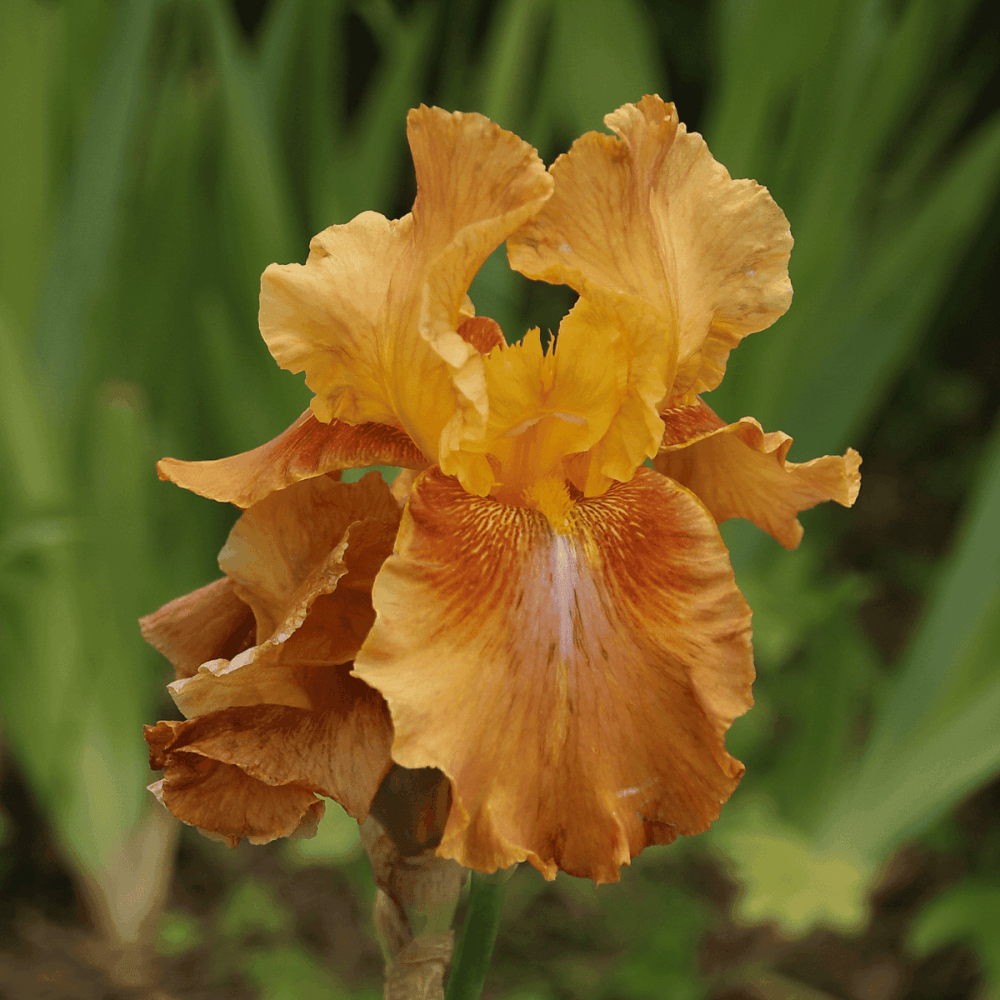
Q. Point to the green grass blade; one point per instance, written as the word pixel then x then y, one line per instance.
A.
pixel 256 197
pixel 602 55
pixel 936 737
pixel 512 53
pixel 368 163
pixel 84 243
pixel 28 57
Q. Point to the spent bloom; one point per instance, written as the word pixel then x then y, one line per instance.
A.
pixel 531 609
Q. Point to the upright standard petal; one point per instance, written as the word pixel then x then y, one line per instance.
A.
pixel 652 215
pixel 575 685
pixel 308 448
pixel 372 317
pixel 737 470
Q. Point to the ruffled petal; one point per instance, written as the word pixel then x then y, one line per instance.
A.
pixel 294 546
pixel 737 470
pixel 543 406
pixel 226 804
pixel 308 448
pixel 652 215
pixel 372 317
pixel 597 392
pixel 304 560
pixel 635 429
pixel 324 317
pixel 255 771
pixel 207 624
pixel 575 686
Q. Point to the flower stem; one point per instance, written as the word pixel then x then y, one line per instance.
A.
pixel 479 934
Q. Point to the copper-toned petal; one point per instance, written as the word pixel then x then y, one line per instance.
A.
pixel 294 546
pixel 737 470
pixel 482 333
pixel 652 215
pixel 304 560
pixel 255 677
pixel 341 751
pixel 207 624
pixel 308 448
pixel 228 805
pixel 574 685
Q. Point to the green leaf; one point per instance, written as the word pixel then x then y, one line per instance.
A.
pixel 91 219
pixel 602 54
pixel 367 164
pixel 508 81
pixel 258 216
pixel 292 973
pixel 28 65
pixel 253 908
pixel 816 103
pixel 27 442
pixel 786 878
pixel 910 271
pixel 336 840
pixel 935 738
pixel 968 912
pixel 177 933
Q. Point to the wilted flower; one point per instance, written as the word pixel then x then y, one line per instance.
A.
pixel 263 660
pixel 558 628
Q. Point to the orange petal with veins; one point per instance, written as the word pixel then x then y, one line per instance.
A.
pixel 226 804
pixel 575 686
pixel 208 624
pixel 737 470
pixel 308 448
pixel 254 771
pixel 293 546
pixel 304 560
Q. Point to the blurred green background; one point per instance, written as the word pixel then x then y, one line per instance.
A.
pixel 156 155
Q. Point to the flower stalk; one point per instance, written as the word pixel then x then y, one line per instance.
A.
pixel 417 890
pixel 479 935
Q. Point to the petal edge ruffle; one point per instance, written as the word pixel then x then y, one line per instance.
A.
pixel 308 448
pixel 738 470
pixel 574 686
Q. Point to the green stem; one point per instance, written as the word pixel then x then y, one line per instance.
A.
pixel 479 935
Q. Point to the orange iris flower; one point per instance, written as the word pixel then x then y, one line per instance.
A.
pixel 557 627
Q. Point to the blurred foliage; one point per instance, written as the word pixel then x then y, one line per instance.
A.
pixel 160 159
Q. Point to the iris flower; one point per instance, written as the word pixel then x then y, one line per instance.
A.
pixel 557 627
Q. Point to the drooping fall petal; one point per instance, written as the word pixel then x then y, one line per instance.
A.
pixel 308 448
pixel 304 561
pixel 652 215
pixel 255 771
pixel 226 804
pixel 292 547
pixel 737 470
pixel 208 624
pixel 574 685
pixel 372 318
